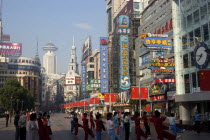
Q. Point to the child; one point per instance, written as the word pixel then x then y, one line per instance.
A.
pixel 86 127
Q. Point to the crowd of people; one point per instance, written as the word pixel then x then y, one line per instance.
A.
pixel 117 122
pixel 38 125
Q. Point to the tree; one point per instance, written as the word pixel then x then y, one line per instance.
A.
pixel 14 96
pixel 59 99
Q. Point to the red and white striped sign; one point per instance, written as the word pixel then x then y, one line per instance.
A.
pixel 166 80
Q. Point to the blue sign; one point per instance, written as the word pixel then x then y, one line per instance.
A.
pixel 124 63
pixel 104 69
pixel 145 59
pixel 157 43
pixel 123 21
pixel 83 78
pixel 24 67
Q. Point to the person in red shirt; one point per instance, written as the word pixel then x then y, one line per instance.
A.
pixel 99 124
pixel 86 127
pixel 92 125
pixel 146 125
pixel 139 131
pixel 160 128
pixel 77 125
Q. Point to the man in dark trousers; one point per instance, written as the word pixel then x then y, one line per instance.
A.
pixel 16 119
pixel 7 118
pixel 22 125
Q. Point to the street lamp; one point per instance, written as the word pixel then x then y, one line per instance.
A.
pixel 11 111
pixel 139 76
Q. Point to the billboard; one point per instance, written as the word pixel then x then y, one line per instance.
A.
pixel 73 80
pixel 83 78
pixel 104 72
pixel 11 48
pixel 124 63
pixel 86 49
pixel 157 43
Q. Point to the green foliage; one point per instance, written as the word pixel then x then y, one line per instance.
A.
pixel 15 95
pixel 59 99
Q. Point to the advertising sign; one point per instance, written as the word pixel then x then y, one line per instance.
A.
pixel 77 80
pixel 163 65
pixel 124 63
pixel 166 80
pixel 104 72
pixel 144 59
pixel 11 48
pixel 86 49
pixel 83 77
pixel 204 76
pixel 158 97
pixel 70 80
pixel 157 43
pixel 95 83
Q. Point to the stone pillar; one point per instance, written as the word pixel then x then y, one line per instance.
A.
pixel 185 113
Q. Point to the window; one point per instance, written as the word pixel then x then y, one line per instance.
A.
pixel 23 61
pixel 191 38
pixel 196 16
pixel 109 12
pixel 136 5
pixel 91 66
pixel 136 14
pixel 185 60
pixel 203 11
pixel 197 35
pixel 184 42
pixel 205 32
pixel 15 60
pixel 192 62
pixel 189 20
pixel 187 83
pixel 208 8
pixel 91 59
pixel 194 80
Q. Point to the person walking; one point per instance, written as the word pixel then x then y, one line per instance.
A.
pixel 110 126
pixel 32 128
pixel 99 125
pixel 126 121
pixel 116 122
pixel 76 124
pixel 86 128
pixel 139 131
pixel 17 129
pixel 72 122
pixel 172 125
pixel 160 128
pixel 22 125
pixel 7 118
pixel 49 125
pixel 146 125
pixel 197 118
pixel 92 125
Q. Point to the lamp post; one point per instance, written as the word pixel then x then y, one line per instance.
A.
pixel 140 92
pixel 11 111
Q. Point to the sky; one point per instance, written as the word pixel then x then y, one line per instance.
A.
pixel 54 21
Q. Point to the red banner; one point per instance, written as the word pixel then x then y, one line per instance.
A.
pixel 166 80
pixel 84 103
pixel 204 80
pixel 158 97
pixel 147 107
pixel 94 100
pixel 143 91
pixel 113 98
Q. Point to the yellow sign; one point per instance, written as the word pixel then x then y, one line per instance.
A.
pixel 100 95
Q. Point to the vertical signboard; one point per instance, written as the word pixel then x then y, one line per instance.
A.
pixel 104 65
pixel 86 49
pixel 83 78
pixel 124 53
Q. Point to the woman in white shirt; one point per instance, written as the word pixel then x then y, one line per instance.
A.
pixel 32 128
pixel 110 126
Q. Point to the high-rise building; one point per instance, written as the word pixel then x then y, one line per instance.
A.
pixel 50 59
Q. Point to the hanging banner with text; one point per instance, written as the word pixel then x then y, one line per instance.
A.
pixel 104 74
pixel 83 78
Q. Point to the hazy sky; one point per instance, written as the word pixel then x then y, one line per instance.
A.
pixel 55 21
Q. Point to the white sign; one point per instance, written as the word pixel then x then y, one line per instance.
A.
pixel 70 80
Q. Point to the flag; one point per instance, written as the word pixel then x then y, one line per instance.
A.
pixel 204 76
pixel 147 107
pixel 106 98
pixel 113 98
pixel 143 91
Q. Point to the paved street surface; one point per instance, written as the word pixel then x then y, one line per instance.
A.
pixel 61 131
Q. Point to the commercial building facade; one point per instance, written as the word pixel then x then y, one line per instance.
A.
pixel 191 31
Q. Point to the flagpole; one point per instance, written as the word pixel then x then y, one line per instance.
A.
pixel 139 98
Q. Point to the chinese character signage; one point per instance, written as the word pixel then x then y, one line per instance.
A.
pixel 70 80
pixel 11 48
pixel 104 88
pixel 157 43
pixel 83 77
pixel 95 83
pixel 124 63
pixel 166 80
pixel 123 25
pixel 163 65
pixel 86 49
